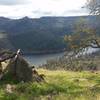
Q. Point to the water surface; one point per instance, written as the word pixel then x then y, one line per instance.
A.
pixel 41 59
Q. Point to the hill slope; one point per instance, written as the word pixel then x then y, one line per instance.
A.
pixel 41 35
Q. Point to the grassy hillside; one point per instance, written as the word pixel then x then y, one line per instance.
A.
pixel 58 85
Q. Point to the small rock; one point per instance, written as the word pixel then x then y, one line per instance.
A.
pixel 10 88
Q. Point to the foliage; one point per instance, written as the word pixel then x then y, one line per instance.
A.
pixel 84 36
pixel 94 6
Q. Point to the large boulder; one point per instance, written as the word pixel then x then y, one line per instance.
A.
pixel 20 69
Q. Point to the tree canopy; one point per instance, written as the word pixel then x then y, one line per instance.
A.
pixel 84 36
pixel 94 6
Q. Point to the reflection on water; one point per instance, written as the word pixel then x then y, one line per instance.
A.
pixel 41 59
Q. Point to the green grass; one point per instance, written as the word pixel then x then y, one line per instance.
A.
pixel 58 85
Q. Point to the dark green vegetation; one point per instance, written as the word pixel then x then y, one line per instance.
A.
pixel 58 85
pixel 42 35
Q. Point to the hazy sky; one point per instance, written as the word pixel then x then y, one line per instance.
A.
pixel 38 8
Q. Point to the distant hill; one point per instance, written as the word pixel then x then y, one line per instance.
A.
pixel 38 35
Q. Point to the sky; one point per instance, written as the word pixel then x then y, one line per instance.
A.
pixel 38 8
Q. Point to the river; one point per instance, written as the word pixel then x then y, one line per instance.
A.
pixel 41 59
